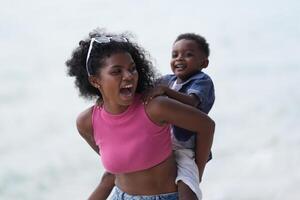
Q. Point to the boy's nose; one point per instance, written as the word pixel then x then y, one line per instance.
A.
pixel 179 57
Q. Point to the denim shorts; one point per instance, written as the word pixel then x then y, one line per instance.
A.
pixel 118 194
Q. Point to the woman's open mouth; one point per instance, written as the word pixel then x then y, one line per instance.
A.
pixel 127 90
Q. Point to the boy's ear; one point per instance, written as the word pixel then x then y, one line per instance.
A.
pixel 205 63
pixel 94 81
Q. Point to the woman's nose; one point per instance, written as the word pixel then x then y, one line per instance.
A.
pixel 127 75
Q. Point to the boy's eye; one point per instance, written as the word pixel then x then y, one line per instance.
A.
pixel 174 55
pixel 189 54
pixel 116 71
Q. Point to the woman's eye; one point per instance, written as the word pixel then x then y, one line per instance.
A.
pixel 133 69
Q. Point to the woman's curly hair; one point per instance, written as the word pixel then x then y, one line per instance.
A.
pixel 76 65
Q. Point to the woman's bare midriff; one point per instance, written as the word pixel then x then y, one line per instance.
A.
pixel 159 179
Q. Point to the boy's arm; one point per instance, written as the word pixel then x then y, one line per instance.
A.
pixel 191 99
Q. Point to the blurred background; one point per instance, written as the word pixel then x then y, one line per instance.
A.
pixel 254 64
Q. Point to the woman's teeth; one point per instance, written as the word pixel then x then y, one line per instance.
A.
pixel 128 86
pixel 127 90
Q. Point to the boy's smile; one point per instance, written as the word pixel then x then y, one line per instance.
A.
pixel 187 59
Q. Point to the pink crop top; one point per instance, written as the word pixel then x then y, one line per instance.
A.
pixel 130 141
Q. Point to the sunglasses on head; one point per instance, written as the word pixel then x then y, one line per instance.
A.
pixel 101 40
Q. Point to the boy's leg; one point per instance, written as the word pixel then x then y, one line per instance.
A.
pixel 202 154
pixel 184 192
pixel 187 175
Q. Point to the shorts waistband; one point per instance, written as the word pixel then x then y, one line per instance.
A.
pixel 120 195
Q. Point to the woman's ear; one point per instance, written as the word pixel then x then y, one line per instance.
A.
pixel 94 81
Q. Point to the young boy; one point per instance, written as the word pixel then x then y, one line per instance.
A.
pixel 191 86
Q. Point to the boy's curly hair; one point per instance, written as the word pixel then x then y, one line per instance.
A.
pixel 200 40
pixel 76 65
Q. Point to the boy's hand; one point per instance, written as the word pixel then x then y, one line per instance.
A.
pixel 158 90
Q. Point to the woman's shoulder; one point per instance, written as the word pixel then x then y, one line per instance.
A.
pixel 159 103
pixel 84 122
pixel 157 108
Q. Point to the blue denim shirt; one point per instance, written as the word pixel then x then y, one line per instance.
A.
pixel 200 85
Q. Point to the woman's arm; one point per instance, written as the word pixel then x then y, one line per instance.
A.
pixel 104 188
pixel 201 143
pixel 165 110
pixel 85 129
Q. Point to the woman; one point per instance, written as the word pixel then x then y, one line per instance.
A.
pixel 132 136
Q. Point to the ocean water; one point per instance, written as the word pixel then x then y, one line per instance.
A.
pixel 254 63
